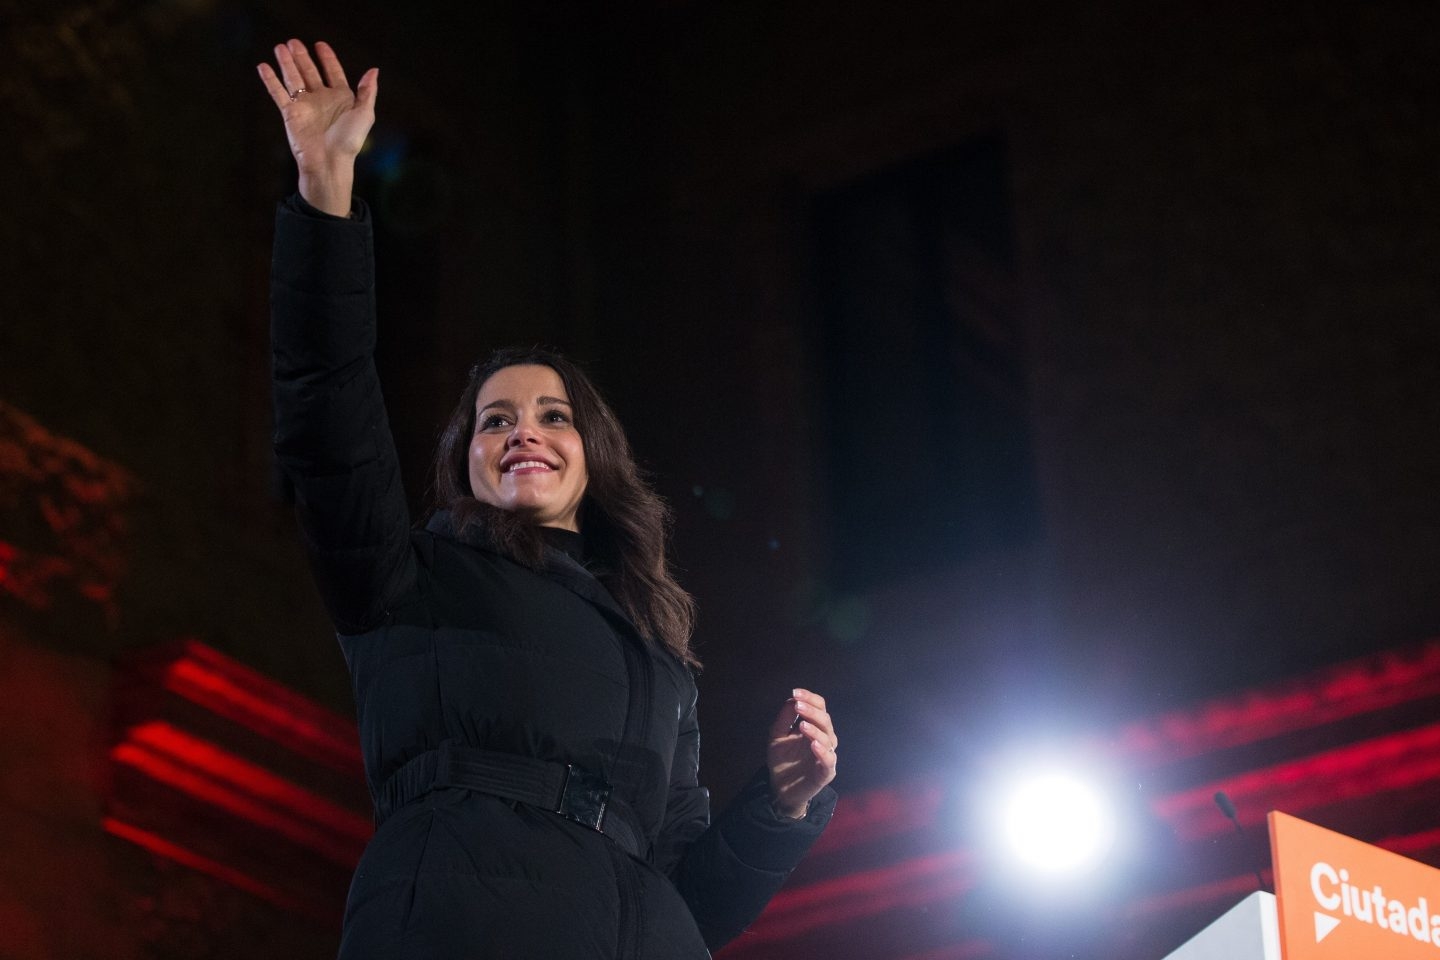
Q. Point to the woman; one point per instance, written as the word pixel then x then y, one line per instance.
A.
pixel 521 665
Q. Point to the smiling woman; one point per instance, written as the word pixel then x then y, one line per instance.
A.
pixel 568 425
pixel 526 455
pixel 522 664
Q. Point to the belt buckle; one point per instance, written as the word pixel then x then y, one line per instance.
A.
pixel 584 797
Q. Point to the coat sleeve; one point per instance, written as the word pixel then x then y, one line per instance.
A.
pixel 332 437
pixel 728 870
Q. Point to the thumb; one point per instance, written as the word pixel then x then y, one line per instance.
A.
pixel 368 88
pixel 784 720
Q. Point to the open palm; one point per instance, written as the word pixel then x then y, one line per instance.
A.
pixel 325 121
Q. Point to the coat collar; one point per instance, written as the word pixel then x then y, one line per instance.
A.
pixel 559 566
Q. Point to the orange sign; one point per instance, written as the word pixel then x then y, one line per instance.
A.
pixel 1341 899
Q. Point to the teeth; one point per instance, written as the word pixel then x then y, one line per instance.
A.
pixel 523 464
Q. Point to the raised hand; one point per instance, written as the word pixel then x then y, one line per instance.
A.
pixel 801 755
pixel 325 121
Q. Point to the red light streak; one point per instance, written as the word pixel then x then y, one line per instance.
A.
pixel 1353 689
pixel 880 813
pixel 238 879
pixel 1197 896
pixel 910 883
pixel 1369 768
pixel 1412 844
pixel 213 776
pixel 251 699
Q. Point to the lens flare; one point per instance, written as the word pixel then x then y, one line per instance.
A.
pixel 1056 823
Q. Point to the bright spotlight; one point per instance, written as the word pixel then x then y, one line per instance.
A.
pixel 1057 824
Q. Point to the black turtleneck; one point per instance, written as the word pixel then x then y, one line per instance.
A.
pixel 566 541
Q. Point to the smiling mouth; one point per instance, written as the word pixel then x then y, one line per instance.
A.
pixel 528 466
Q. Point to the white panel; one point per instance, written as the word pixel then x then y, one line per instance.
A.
pixel 1249 930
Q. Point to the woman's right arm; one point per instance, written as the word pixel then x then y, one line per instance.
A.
pixel 332 437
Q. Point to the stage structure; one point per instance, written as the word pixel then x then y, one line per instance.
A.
pixel 1335 899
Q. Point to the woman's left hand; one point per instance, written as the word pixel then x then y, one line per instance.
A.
pixel 801 755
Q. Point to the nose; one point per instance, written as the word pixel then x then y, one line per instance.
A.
pixel 520 434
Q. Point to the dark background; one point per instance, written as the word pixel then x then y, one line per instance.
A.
pixel 1010 367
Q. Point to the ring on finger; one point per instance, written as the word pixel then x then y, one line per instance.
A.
pixel 295 94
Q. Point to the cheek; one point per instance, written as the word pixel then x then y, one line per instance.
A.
pixel 576 455
pixel 583 484
pixel 477 462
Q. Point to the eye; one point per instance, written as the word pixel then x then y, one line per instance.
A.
pixel 556 416
pixel 492 421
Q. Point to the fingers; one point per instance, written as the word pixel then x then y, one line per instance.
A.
pixel 826 742
pixel 330 64
pixel 277 90
pixel 799 693
pixel 785 720
pixel 815 721
pixel 804 715
pixel 289 70
pixel 309 75
pixel 298 71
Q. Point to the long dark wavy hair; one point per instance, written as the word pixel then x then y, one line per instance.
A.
pixel 624 521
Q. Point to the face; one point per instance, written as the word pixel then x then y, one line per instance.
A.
pixel 526 453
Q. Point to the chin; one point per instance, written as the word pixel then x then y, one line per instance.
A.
pixel 527 505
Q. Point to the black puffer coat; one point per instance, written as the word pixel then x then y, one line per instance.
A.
pixel 449 642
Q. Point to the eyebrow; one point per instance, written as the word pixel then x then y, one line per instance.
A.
pixel 539 401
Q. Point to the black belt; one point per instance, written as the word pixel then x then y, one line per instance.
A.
pixel 561 788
